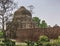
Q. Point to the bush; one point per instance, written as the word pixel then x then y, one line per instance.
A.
pixel 1 34
pixel 8 42
pixel 43 38
pixel 29 43
pixel 47 44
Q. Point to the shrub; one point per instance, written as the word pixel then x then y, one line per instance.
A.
pixel 29 43
pixel 1 34
pixel 43 38
pixel 46 44
pixel 8 42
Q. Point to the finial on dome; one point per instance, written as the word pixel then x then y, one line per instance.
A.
pixel 22 7
pixel 22 10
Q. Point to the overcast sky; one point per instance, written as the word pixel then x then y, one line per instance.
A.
pixel 48 10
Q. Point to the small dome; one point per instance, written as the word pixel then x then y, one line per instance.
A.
pixel 22 11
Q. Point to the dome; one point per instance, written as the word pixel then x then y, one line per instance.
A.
pixel 22 11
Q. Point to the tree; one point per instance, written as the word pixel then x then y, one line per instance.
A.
pixel 31 8
pixel 36 20
pixel 6 6
pixel 43 24
pixel 55 26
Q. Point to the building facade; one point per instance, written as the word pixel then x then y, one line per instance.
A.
pixel 24 18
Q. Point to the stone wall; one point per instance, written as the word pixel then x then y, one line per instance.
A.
pixel 33 34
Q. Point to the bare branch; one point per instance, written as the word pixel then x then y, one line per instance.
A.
pixel 5 6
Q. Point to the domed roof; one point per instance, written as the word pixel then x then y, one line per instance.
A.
pixel 22 11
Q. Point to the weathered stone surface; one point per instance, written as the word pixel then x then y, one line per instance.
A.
pixel 34 34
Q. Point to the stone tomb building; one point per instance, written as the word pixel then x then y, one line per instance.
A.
pixel 24 18
pixel 23 28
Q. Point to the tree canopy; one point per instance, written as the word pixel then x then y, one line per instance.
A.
pixel 6 6
pixel 43 24
pixel 36 20
pixel 40 24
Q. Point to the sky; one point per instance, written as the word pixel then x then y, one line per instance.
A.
pixel 48 10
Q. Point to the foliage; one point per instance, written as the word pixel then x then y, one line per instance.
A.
pixel 36 20
pixel 43 24
pixel 43 38
pixel 43 41
pixel 29 43
pixel 46 44
pixel 6 42
pixel 6 6
pixel 39 24
pixel 51 42
pixel 1 34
